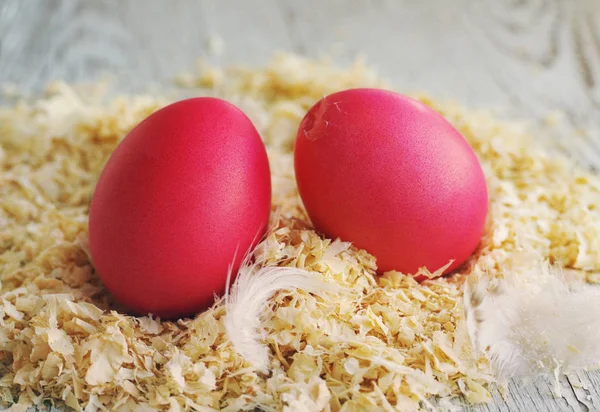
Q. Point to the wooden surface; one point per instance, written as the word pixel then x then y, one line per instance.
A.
pixel 528 57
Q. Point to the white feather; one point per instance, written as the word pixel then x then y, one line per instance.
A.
pixel 534 323
pixel 247 300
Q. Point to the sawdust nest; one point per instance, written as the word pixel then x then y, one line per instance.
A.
pixel 389 344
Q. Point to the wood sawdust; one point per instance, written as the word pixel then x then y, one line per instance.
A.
pixel 390 344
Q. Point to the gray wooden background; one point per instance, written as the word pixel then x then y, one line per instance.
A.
pixel 528 58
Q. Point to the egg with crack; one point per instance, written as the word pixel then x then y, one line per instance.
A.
pixel 393 177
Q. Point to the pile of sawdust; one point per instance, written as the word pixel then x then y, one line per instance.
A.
pixel 389 343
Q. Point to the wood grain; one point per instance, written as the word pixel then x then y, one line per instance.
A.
pixel 527 57
pixel 541 54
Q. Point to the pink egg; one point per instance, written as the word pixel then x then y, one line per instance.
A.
pixel 392 176
pixel 184 193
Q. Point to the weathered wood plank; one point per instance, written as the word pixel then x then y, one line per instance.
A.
pixel 129 40
pixel 83 41
pixel 537 56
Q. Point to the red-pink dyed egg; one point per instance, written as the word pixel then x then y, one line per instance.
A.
pixel 186 190
pixel 392 176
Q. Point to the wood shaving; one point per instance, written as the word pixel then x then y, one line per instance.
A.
pixel 389 344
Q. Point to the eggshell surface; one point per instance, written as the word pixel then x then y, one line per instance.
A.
pixel 187 190
pixel 393 177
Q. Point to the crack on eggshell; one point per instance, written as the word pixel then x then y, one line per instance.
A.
pixel 314 125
